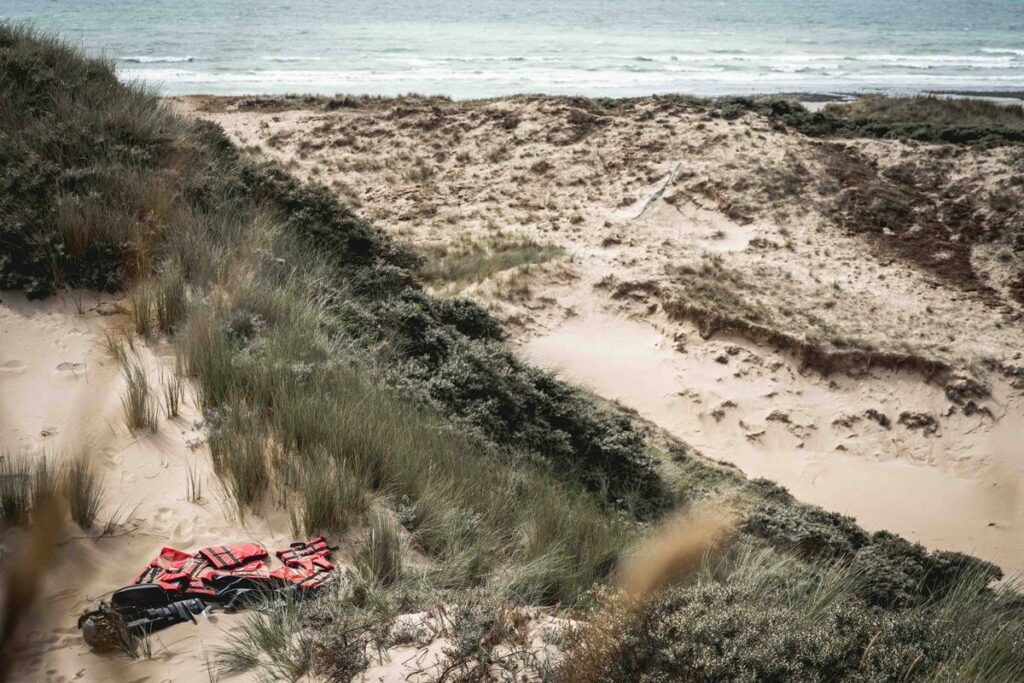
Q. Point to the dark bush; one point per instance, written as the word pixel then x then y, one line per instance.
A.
pixel 732 632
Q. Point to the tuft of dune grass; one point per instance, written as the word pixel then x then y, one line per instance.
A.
pixel 83 490
pixel 380 557
pixel 139 404
pixel 465 262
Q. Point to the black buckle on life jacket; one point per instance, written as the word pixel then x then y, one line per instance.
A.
pixel 194 566
pixel 149 575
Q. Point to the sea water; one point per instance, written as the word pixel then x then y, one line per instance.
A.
pixel 483 48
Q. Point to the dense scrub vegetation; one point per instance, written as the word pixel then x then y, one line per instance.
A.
pixel 925 119
pixel 325 368
pixel 757 615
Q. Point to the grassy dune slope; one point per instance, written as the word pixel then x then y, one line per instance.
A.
pixel 335 385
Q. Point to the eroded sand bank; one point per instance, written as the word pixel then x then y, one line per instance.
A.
pixel 958 489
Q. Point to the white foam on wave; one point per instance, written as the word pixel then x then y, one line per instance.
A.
pixel 599 80
pixel 289 58
pixel 1003 51
pixel 148 59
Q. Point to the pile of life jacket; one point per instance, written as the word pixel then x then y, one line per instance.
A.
pixel 177 586
pixel 219 572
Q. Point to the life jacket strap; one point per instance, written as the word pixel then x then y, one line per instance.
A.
pixel 220 556
pixel 315 581
pixel 293 556
pixel 149 574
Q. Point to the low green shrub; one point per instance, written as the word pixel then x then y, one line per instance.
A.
pixel 922 118
pixel 761 616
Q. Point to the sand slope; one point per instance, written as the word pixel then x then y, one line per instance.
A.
pixel 61 394
pixel 958 489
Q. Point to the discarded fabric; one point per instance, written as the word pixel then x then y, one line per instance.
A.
pixel 177 585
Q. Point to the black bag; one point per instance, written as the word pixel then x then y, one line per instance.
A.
pixel 134 612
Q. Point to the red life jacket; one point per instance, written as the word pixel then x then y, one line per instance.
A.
pixel 175 571
pixel 229 556
pixel 311 555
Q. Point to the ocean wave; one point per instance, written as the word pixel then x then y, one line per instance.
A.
pixel 1003 51
pixel 290 59
pixel 146 59
pixel 829 60
pixel 472 59
pixel 584 77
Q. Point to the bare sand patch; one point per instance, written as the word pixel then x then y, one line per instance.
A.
pixel 62 395
pixel 957 489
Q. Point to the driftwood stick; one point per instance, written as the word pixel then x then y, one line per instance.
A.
pixel 661 190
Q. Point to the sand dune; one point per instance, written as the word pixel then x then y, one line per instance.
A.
pixel 657 207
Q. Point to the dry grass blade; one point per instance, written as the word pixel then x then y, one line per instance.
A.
pixel 174 393
pixel 380 557
pixel 23 482
pixel 141 301
pixel 674 551
pixel 171 299
pixel 193 484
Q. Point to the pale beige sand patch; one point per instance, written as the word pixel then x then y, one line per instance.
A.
pixel 960 489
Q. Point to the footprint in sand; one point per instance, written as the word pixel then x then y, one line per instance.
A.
pixel 162 516
pixel 183 529
pixel 13 367
pixel 69 370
